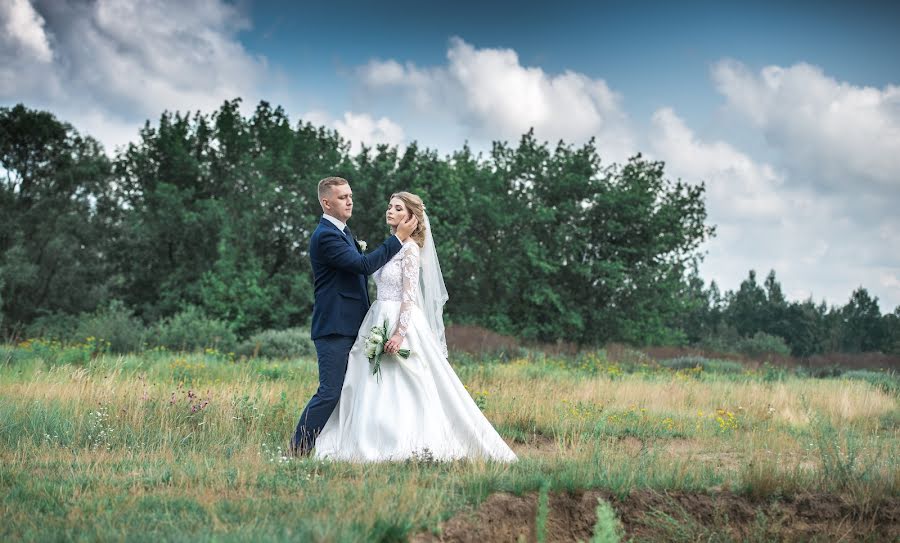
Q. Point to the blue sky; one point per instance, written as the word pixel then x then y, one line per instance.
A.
pixel 789 111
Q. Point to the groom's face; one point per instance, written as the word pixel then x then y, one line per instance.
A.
pixel 339 204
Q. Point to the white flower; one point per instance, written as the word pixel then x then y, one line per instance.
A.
pixel 362 245
pixel 370 350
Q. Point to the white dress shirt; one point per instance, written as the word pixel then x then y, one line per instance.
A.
pixel 342 225
pixel 335 222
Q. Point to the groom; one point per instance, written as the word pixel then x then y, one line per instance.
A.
pixel 339 270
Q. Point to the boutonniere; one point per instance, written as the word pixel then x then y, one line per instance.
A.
pixel 362 245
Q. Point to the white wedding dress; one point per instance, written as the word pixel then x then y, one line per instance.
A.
pixel 418 407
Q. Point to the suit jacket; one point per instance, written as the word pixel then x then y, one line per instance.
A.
pixel 339 273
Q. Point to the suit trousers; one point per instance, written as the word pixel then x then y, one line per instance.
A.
pixel 333 352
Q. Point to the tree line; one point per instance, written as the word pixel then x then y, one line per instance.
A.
pixel 213 212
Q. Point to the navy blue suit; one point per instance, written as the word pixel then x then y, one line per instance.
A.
pixel 340 272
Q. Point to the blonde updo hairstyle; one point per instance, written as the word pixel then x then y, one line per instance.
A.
pixel 415 205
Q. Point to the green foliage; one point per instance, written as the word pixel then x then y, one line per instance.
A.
pixel 762 343
pixel 53 202
pixel 58 326
pixel 820 372
pixel 543 511
pixel 215 210
pixel 290 343
pixel 723 323
pixel 886 381
pixel 117 325
pixel 863 329
pixel 191 330
pixel 608 528
pixel 843 465
pixel 709 365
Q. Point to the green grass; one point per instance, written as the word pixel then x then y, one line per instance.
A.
pixel 175 446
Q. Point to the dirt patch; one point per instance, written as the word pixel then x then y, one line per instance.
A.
pixel 664 516
pixel 699 452
pixel 631 445
pixel 681 446
pixel 537 445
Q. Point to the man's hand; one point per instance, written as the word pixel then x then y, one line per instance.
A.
pixel 393 344
pixel 407 227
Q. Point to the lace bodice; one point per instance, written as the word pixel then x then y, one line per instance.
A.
pixel 398 281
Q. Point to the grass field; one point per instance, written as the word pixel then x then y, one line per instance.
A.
pixel 191 447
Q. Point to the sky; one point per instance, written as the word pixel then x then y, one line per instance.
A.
pixel 789 112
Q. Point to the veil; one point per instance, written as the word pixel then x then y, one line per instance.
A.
pixel 432 291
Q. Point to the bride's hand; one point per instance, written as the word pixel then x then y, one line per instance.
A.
pixel 393 344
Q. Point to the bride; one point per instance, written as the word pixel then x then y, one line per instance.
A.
pixel 417 407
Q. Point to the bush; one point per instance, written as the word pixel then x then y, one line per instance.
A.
pixel 820 372
pixel 115 324
pixel 192 329
pixel 708 364
pixel 57 326
pixel 608 528
pixel 762 344
pixel 290 343
pixel 886 381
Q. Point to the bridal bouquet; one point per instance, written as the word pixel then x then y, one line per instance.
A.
pixel 378 337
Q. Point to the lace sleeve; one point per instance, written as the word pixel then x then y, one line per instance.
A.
pixel 410 268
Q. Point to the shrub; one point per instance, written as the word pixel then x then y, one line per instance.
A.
pixel 58 326
pixel 708 364
pixel 761 344
pixel 886 381
pixel 289 343
pixel 608 528
pixel 115 324
pixel 192 329
pixel 820 372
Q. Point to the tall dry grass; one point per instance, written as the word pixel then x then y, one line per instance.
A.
pixel 171 446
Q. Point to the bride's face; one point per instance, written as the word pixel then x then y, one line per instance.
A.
pixel 396 212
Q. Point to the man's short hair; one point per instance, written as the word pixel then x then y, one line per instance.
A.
pixel 326 184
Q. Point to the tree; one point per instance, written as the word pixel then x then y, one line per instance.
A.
pixel 747 307
pixel 862 329
pixel 892 332
pixel 208 204
pixel 51 229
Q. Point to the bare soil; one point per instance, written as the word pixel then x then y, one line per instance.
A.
pixel 666 516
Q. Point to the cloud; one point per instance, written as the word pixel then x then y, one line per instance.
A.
pixel 830 132
pixel 735 183
pixel 109 63
pixel 362 128
pixel 816 209
pixel 23 32
pixel 493 96
pixel 767 220
pixel 838 146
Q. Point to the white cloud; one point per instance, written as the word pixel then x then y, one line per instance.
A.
pixel 838 146
pixel 765 220
pixel 826 131
pixel 735 183
pixel 117 63
pixel 492 95
pixel 360 128
pixel 364 129
pixel 23 31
